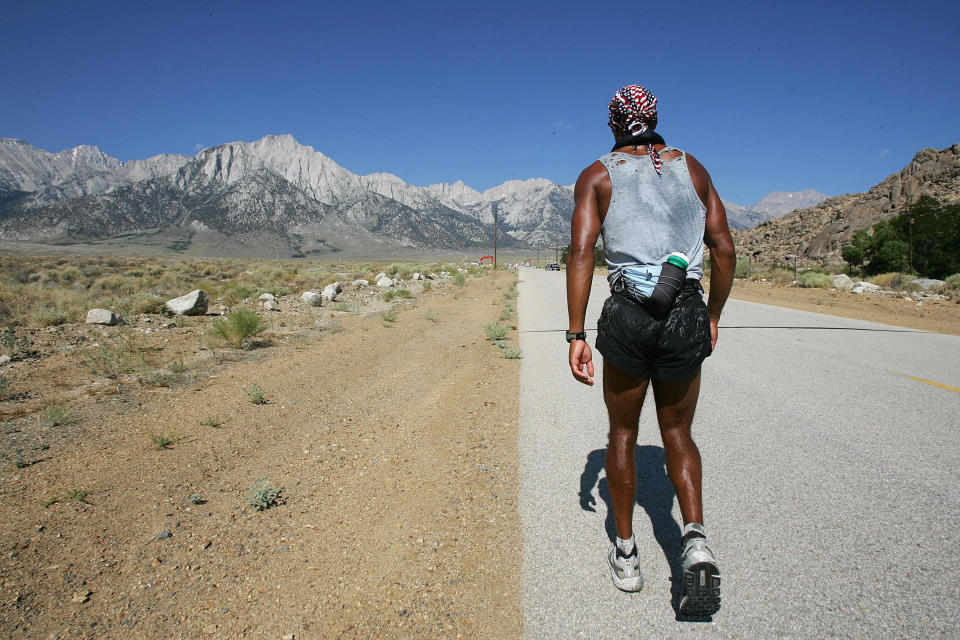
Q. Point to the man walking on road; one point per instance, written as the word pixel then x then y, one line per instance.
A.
pixel 656 208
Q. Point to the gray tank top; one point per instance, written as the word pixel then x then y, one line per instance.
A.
pixel 651 216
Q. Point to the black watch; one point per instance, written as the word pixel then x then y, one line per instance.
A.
pixel 576 336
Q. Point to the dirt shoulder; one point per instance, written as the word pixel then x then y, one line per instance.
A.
pixel 394 444
pixel 940 316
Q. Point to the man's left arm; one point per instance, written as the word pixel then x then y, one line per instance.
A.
pixel 584 229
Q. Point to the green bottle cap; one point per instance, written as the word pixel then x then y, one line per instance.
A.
pixel 678 259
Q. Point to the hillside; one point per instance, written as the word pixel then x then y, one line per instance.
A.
pixel 817 234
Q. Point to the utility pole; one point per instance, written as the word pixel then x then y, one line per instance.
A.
pixel 556 249
pixel 910 227
pixel 495 207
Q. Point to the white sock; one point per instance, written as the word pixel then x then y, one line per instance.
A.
pixel 626 546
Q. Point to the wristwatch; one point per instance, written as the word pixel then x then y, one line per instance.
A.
pixel 576 336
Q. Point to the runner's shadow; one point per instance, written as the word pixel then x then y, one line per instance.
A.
pixel 655 495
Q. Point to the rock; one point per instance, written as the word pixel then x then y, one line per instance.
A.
pixel 432 276
pixel 102 316
pixel 270 305
pixel 4 359
pixel 191 304
pixel 927 283
pixel 842 282
pixel 867 287
pixel 289 636
pixel 416 276
pixel 163 535
pixel 210 629
pixel 81 596
pixel 331 290
pixel 379 276
pixel 384 282
pixel 264 297
pixel 360 283
pixel 908 298
pixel 312 298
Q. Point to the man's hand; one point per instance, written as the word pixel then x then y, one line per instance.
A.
pixel 714 331
pixel 581 361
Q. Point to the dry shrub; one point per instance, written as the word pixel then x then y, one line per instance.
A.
pixel 888 281
pixel 815 279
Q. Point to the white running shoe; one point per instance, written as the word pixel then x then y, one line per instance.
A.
pixel 700 594
pixel 625 569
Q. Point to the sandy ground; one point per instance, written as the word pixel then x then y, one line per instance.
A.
pixel 393 444
pixel 940 316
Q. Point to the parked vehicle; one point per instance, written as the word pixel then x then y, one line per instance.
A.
pixel 552 266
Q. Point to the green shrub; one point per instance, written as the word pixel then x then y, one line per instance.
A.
pixel 389 315
pixel 495 331
pixel 951 285
pixel 238 327
pixel 396 293
pixel 427 286
pixel 512 354
pixel 256 393
pixel 262 495
pixel 814 279
pixel 236 294
pixel 54 414
pixel 161 440
pixel 459 278
pixel 742 270
pixel 888 281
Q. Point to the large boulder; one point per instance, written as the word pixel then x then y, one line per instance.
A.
pixel 331 290
pixel 102 316
pixel 361 283
pixel 842 282
pixel 865 287
pixel 312 298
pixel 927 283
pixel 264 297
pixel 379 276
pixel 384 282
pixel 191 304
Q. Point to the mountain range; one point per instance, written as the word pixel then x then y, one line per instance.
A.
pixel 275 196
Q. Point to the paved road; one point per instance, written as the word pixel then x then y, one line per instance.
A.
pixel 830 489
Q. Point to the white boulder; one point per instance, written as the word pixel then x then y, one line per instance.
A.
pixel 191 304
pixel 102 316
pixel 271 305
pixel 264 297
pixel 379 276
pixel 361 283
pixel 312 298
pixel 842 282
pixel 331 290
pixel 384 282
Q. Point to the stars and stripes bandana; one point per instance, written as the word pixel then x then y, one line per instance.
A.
pixel 634 111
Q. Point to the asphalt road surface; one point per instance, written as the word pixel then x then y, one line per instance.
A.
pixel 830 449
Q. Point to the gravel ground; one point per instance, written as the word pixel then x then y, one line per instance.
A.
pixel 830 470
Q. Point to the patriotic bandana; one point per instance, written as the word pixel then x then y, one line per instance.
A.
pixel 634 111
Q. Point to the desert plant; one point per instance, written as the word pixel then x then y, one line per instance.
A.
pixel 814 279
pixel 262 495
pixel 12 344
pixel 236 293
pixel 162 440
pixel 512 354
pixel 55 414
pixel 210 421
pixel 397 293
pixel 4 388
pixel 256 393
pixel 195 498
pixel 238 327
pixel 79 495
pixel 49 500
pixel 742 269
pixel 427 286
pixel 459 278
pixel 951 285
pixel 495 331
pixel 389 316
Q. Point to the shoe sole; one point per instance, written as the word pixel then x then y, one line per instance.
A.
pixel 630 585
pixel 701 590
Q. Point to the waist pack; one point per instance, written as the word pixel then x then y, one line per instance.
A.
pixel 654 287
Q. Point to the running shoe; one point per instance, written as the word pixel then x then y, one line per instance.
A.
pixel 700 589
pixel 625 569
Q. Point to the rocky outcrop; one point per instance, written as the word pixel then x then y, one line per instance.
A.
pixel 817 234
pixel 190 304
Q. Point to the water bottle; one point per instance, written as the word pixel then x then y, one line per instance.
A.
pixel 673 272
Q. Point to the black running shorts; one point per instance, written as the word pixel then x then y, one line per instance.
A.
pixel 667 346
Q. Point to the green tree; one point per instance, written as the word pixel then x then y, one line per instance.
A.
pixel 599 257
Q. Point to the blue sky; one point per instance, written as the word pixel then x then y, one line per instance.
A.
pixel 832 96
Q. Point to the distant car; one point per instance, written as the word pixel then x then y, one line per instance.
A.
pixel 552 266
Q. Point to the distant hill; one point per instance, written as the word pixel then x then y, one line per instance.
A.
pixel 818 233
pixel 772 205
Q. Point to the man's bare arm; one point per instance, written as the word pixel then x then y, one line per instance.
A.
pixel 723 258
pixel 584 229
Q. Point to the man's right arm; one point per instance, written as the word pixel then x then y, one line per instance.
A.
pixel 723 258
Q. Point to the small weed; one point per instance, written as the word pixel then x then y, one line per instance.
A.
pixel 162 440
pixel 430 315
pixel 4 388
pixel 256 393
pixel 510 295
pixel 13 345
pixel 195 498
pixel 55 414
pixel 389 317
pixel 49 500
pixel 210 421
pixel 427 286
pixel 238 327
pixel 80 495
pixel 262 495
pixel 344 307
pixel 459 278
pixel 512 354
pixel 396 293
pixel 506 314
pixel 178 366
pixel 495 331
pixel 501 344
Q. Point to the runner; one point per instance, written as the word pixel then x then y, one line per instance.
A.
pixel 656 207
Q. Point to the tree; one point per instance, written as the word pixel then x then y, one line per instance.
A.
pixel 599 258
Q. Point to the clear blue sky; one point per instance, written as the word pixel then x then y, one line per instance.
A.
pixel 832 96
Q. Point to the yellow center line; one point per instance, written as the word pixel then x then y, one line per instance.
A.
pixel 935 384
